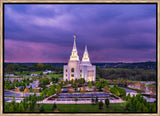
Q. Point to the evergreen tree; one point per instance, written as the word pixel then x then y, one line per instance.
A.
pixel 145 109
pixel 21 108
pixel 41 108
pixel 92 100
pixel 96 101
pixel 107 102
pixel 36 108
pixel 100 104
pixel 11 108
pixel 28 108
pixel 54 106
pixel 138 106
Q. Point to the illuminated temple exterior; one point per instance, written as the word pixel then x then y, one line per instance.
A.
pixel 76 69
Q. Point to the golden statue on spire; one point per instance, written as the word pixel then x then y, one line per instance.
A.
pixel 74 37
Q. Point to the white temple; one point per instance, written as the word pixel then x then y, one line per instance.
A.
pixel 76 69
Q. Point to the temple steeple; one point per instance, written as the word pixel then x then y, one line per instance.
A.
pixel 85 55
pixel 74 44
pixel 74 56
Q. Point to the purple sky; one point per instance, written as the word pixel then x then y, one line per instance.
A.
pixel 112 32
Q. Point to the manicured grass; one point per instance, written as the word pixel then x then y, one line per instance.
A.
pixel 80 108
pixel 114 107
pixel 54 75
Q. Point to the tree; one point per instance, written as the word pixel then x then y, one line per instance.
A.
pixel 145 109
pixel 17 90
pixel 71 90
pixel 75 85
pixel 128 106
pixel 76 99
pixel 115 91
pixel 138 106
pixel 96 101
pixel 9 68
pixel 106 89
pixel 41 108
pixel 142 87
pixel 152 89
pixel 21 108
pixel 36 108
pixel 107 102
pixel 11 108
pixel 36 90
pixel 100 104
pixel 26 90
pixel 54 106
pixel 13 101
pixel 95 89
pixel 92 100
pixel 39 66
pixel 89 84
pixel 83 90
pixel 59 90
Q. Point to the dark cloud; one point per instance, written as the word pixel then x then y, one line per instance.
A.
pixel 105 28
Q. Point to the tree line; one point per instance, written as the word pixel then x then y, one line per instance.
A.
pixel 129 74
pixel 11 68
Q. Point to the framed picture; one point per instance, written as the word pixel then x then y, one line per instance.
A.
pixel 79 57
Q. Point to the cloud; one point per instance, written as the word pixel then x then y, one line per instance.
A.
pixel 19 51
pixel 101 27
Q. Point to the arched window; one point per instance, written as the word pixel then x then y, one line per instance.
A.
pixel 72 69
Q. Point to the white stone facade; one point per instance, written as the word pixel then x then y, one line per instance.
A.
pixel 76 69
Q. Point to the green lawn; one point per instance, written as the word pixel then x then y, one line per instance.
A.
pixel 113 107
pixel 54 75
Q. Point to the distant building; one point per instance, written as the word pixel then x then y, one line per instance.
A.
pixel 33 74
pixel 76 69
pixel 46 72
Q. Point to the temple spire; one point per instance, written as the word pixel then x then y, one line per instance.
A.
pixel 85 55
pixel 74 56
pixel 86 49
pixel 74 44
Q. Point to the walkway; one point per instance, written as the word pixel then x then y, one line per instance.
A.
pixel 78 102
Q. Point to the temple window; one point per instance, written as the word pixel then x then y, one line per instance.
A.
pixel 72 69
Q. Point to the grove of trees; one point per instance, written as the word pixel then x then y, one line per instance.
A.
pixel 129 74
